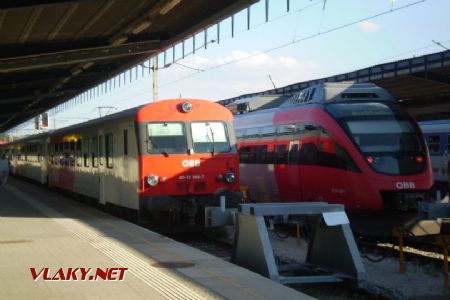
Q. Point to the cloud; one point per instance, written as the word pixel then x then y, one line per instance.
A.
pixel 249 74
pixel 367 26
pixel 240 59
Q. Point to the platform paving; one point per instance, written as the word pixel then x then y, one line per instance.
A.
pixel 41 229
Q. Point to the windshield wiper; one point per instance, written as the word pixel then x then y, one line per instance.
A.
pixel 213 143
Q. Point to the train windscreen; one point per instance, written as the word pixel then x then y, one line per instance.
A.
pixel 210 137
pixel 167 138
pixel 384 134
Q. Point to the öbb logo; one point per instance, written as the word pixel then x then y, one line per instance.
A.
pixel 189 163
pixel 403 185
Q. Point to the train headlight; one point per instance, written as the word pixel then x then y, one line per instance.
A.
pixel 152 180
pixel 186 107
pixel 230 177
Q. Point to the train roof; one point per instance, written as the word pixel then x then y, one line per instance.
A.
pixel 255 103
pixel 320 93
pixel 435 126
pixel 116 116
pixel 29 138
pixel 131 112
pixel 338 92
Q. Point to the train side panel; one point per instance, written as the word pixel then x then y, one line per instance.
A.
pixel 28 159
pixel 118 180
pixel 93 163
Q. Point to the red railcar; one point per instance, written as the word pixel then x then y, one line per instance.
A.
pixel 172 156
pixel 340 143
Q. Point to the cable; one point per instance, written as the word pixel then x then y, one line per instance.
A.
pixel 188 67
pixel 300 40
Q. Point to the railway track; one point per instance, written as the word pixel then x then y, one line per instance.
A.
pixel 419 251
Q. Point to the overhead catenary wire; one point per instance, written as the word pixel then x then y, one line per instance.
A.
pixel 309 37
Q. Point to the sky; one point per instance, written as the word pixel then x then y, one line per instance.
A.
pixel 315 39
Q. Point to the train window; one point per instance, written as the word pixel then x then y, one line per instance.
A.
pixel 263 156
pixel 109 149
pixel 70 155
pixel 94 152
pixel 382 131
pixel 78 152
pixel 61 149
pixel 434 144
pixel 210 137
pixel 344 160
pixel 286 129
pixel 325 152
pixel 86 152
pixel 293 153
pixel 311 95
pixel 247 154
pixel 166 138
pixel 308 154
pixel 39 152
pixel 100 149
pixel 125 142
pixel 51 156
pixel 280 154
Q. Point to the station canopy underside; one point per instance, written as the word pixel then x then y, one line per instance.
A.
pixel 421 84
pixel 51 51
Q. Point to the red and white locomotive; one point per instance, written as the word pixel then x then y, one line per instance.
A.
pixel 340 143
pixel 173 155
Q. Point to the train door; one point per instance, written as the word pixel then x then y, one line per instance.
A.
pixel 94 165
pixel 101 168
pixel 286 164
pixel 293 170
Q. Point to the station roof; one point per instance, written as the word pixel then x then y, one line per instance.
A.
pixel 421 84
pixel 52 50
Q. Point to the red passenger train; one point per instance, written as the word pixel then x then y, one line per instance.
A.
pixel 172 156
pixel 340 143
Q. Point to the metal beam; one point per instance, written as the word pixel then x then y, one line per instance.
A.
pixel 57 28
pixel 13 51
pixel 14 4
pixel 77 56
pixel 105 8
pixel 30 24
pixel 12 99
pixel 17 78
pixel 432 76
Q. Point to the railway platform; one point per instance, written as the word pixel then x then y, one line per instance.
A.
pixel 53 247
